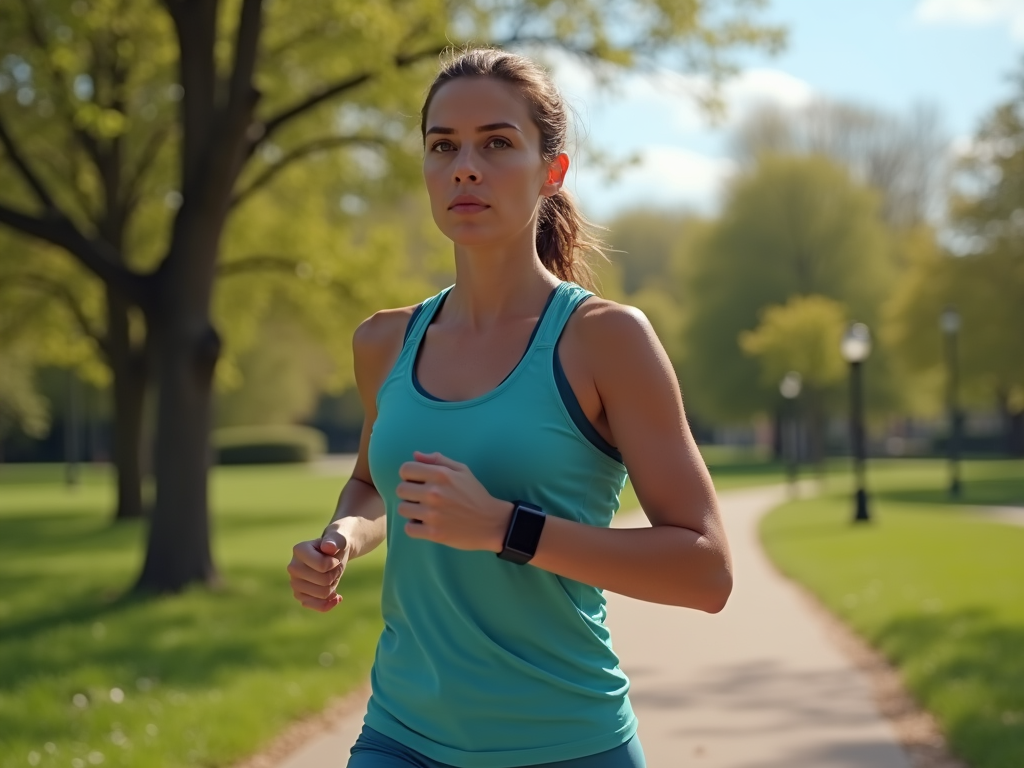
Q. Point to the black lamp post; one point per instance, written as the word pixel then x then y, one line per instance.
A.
pixel 789 388
pixel 855 348
pixel 950 323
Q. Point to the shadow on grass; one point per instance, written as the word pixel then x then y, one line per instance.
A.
pixel 996 491
pixel 969 668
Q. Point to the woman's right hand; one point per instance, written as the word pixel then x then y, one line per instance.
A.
pixel 316 568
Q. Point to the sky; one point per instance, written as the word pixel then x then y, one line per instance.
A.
pixel 954 55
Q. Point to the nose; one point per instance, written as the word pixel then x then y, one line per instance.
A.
pixel 465 167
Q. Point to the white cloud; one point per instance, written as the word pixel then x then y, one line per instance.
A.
pixel 974 12
pixel 666 177
pixel 657 115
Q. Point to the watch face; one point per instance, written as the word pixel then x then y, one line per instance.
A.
pixel 526 531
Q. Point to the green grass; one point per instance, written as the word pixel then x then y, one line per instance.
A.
pixel 205 677
pixel 934 586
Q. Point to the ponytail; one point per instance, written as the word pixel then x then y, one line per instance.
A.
pixel 565 238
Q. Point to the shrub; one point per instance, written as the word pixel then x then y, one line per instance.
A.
pixel 267 444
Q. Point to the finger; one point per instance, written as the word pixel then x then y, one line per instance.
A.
pixel 308 589
pixel 320 605
pixel 299 570
pixel 332 543
pixel 417 530
pixel 413 512
pixel 308 553
pixel 438 459
pixel 411 491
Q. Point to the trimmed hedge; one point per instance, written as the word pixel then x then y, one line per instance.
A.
pixel 267 444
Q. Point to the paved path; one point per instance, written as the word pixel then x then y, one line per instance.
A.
pixel 757 686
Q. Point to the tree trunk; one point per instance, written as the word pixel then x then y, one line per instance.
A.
pixel 130 378
pixel 1013 424
pixel 1015 433
pixel 186 350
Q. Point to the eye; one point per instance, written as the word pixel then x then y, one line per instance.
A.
pixel 504 142
pixel 439 146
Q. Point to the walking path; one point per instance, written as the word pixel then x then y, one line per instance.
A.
pixel 756 686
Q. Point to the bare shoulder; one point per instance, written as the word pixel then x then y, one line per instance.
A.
pixel 607 330
pixel 376 344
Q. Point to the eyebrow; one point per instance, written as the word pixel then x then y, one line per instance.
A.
pixel 480 129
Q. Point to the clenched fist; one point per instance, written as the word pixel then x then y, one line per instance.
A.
pixel 316 568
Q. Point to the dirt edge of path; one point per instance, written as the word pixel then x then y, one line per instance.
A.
pixel 916 729
pixel 299 732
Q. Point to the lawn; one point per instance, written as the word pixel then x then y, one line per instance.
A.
pixel 937 588
pixel 90 677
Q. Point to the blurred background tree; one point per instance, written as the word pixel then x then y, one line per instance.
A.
pixel 159 145
pixel 790 226
pixel 979 270
pixel 802 335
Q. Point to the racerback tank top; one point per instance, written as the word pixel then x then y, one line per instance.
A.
pixel 483 663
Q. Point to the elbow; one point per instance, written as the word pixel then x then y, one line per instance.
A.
pixel 717 593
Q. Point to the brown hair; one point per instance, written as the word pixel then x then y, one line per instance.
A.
pixel 564 237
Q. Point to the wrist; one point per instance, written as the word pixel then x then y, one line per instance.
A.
pixel 503 519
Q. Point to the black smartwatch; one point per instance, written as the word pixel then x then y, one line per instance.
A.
pixel 523 534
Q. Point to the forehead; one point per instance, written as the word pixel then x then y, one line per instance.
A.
pixel 468 102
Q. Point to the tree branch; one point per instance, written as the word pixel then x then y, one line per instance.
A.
pixel 335 89
pixel 66 296
pixel 327 142
pixel 146 159
pixel 270 263
pixel 22 165
pixel 246 50
pixel 95 255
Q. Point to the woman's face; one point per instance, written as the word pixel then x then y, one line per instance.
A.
pixel 482 162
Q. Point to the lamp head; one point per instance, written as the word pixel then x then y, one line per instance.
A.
pixel 791 385
pixel 950 321
pixel 856 345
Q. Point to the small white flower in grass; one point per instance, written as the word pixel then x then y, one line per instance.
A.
pixel 50 747
pixel 326 659
pixel 80 700
pixel 118 738
pixel 95 757
pixel 152 730
pixel 116 695
pixel 77 762
pixel 34 758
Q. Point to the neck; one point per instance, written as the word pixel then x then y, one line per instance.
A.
pixel 496 283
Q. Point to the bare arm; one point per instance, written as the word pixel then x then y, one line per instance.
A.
pixel 683 559
pixel 358 524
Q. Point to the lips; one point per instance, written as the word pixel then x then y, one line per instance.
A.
pixel 468 204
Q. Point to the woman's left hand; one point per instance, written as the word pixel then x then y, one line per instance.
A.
pixel 446 504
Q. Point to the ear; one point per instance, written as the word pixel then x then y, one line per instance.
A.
pixel 556 175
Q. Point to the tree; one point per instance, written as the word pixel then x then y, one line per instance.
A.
pixel 790 226
pixel 904 158
pixel 229 95
pixel 987 290
pixel 802 335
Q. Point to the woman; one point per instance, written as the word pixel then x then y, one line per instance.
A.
pixel 473 447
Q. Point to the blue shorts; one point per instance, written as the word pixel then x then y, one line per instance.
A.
pixel 375 750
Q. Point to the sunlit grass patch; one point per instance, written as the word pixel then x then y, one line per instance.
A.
pixel 937 588
pixel 90 676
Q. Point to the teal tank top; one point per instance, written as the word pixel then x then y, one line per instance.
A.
pixel 483 663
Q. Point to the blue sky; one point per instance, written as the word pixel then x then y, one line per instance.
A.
pixel 892 54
